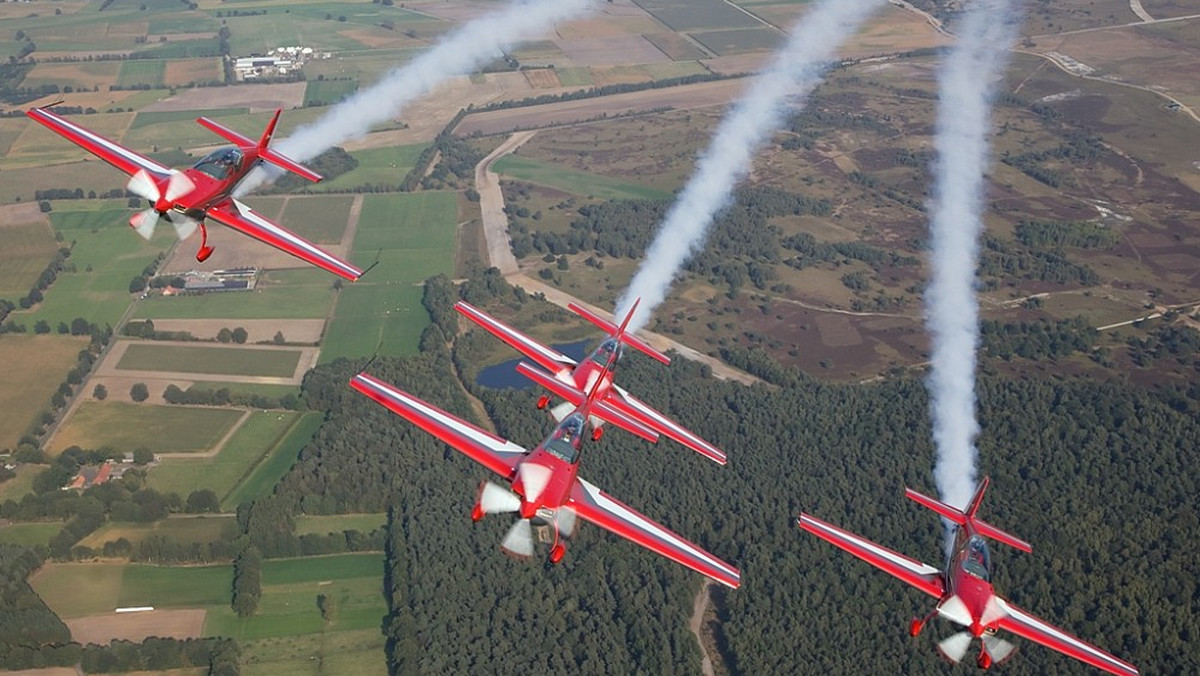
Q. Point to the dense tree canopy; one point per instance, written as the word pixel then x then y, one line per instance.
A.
pixel 1096 475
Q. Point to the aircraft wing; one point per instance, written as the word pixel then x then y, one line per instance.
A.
pixel 551 360
pixel 245 220
pixel 639 410
pixel 485 448
pixel 115 154
pixel 922 576
pixel 596 506
pixel 599 409
pixel 1027 626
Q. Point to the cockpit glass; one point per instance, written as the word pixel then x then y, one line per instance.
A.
pixel 564 443
pixel 976 559
pixel 221 163
pixel 604 352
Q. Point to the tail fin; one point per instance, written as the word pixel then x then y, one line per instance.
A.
pixel 619 332
pixel 262 146
pixel 962 518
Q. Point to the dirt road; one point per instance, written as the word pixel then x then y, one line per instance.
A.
pixel 491 203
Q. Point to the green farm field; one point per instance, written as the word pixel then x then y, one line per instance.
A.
pixel 142 72
pixel 162 429
pixel 253 445
pixel 106 256
pixel 144 119
pixel 321 525
pixel 359 652
pixel 27 248
pixel 115 585
pixel 289 294
pixel 278 458
pixel 376 166
pixel 414 237
pixel 182 529
pixel 353 583
pixel 574 181
pixel 22 484
pixel 280 363
pixel 328 92
pixel 320 219
pixel 29 534
pixel 33 368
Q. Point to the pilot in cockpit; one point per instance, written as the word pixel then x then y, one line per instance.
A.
pixel 604 352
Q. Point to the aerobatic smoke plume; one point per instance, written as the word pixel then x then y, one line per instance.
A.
pixel 477 42
pixel 792 75
pixel 966 82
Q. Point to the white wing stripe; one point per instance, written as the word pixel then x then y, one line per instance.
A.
pixel 112 147
pixel 250 215
pixel 918 568
pixel 468 431
pixel 516 336
pixel 653 529
pixel 1031 621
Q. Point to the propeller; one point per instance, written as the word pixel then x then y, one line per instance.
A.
pixel 144 186
pixel 495 500
pixel 519 540
pixel 998 648
pixel 955 646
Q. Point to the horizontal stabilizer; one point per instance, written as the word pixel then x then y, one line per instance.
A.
pixel 264 152
pixel 599 409
pixel 962 518
pixel 612 330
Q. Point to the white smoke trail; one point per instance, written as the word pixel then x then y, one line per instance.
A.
pixel 472 45
pixel 792 75
pixel 966 82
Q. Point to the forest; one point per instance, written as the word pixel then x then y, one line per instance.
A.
pixel 1095 474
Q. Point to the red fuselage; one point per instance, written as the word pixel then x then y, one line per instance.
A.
pixel 545 477
pixel 969 596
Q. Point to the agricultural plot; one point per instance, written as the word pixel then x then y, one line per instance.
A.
pixel 29 534
pixel 359 652
pixel 256 442
pixel 183 529
pixel 328 92
pixel 319 219
pixel 183 72
pixel 573 181
pixel 276 462
pixel 20 485
pixel 105 257
pixel 413 235
pixel 376 166
pixel 279 363
pixel 146 119
pixel 351 583
pixel 83 75
pixel 323 26
pixel 162 429
pixel 142 72
pixel 694 15
pixel 27 248
pixel 739 41
pixel 34 366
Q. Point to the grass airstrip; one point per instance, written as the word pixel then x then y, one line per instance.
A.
pixel 413 236
pixel 247 466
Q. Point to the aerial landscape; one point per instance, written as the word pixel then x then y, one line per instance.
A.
pixel 725 230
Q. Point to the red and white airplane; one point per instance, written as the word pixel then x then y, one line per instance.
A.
pixel 187 197
pixel 545 488
pixel 964 589
pixel 571 380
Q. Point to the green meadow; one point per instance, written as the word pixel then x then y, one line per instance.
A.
pixel 290 294
pixel 162 429
pixel 574 181
pixel 210 359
